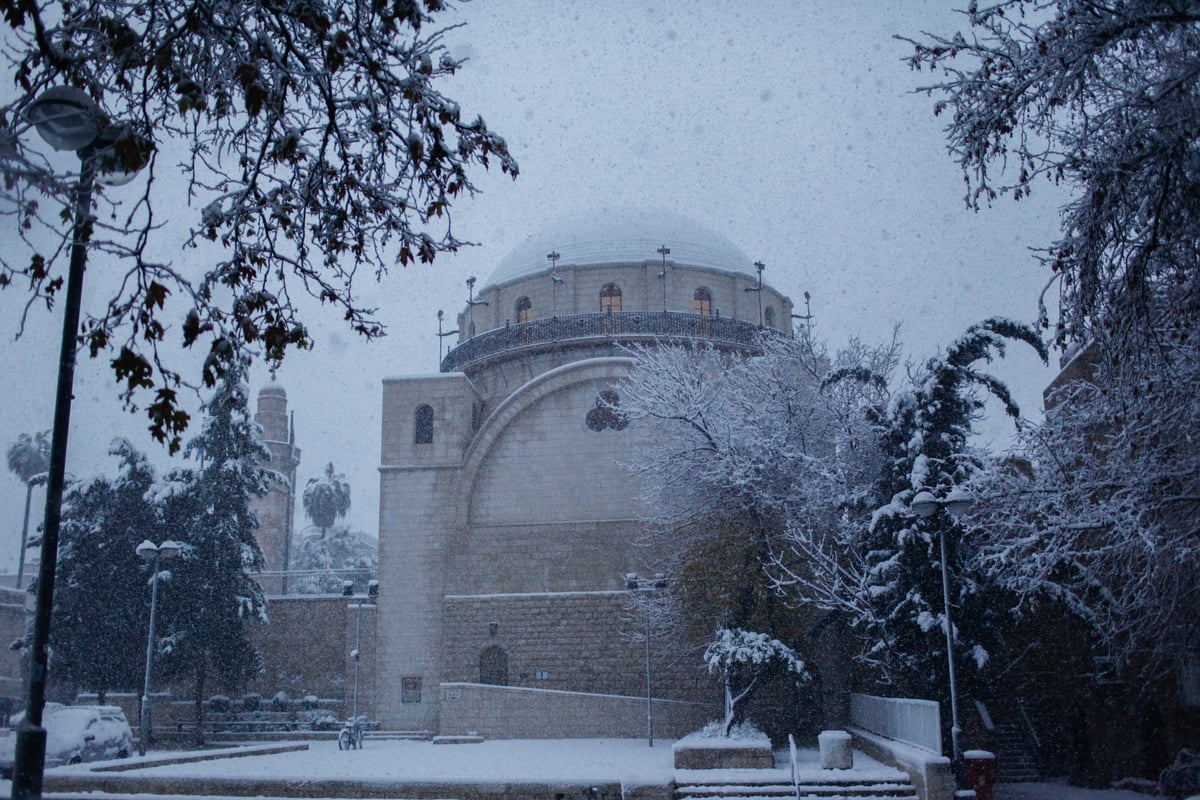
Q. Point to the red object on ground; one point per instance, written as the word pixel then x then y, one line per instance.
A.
pixel 981 775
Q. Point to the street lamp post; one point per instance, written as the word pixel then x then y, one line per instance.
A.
pixel 372 596
pixel 632 584
pixel 153 553
pixel 925 505
pixel 664 251
pixel 67 119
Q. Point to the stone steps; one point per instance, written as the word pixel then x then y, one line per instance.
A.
pixel 848 789
pixel 1014 761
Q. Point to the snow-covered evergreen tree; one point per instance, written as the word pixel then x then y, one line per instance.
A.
pixel 101 597
pixel 924 433
pixel 328 557
pixel 212 595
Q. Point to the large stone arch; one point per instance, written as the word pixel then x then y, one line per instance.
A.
pixel 595 370
pixel 545 503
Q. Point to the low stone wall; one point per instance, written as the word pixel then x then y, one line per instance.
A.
pixel 929 772
pixel 505 712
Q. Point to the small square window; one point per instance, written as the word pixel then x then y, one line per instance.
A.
pixel 542 675
pixel 410 690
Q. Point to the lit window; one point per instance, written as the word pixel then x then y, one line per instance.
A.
pixel 702 302
pixel 610 298
pixel 423 426
pixel 524 309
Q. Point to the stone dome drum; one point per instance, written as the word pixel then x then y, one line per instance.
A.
pixel 619 275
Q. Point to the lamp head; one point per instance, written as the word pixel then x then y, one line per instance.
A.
pixel 147 550
pixel 958 501
pixel 924 504
pixel 66 117
pixel 169 549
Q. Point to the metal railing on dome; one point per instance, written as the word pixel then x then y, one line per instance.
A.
pixel 618 326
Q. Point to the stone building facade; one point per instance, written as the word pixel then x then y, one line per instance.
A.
pixel 508 518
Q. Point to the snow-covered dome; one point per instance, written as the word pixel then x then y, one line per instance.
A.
pixel 608 235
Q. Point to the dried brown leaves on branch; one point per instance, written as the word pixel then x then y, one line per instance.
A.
pixel 305 140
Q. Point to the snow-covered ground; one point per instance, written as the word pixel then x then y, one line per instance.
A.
pixel 1061 791
pixel 568 761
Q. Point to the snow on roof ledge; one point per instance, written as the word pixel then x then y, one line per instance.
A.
pixel 621 234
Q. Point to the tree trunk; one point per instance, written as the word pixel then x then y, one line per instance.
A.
pixel 199 698
pixel 728 707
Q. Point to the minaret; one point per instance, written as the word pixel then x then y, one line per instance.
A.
pixel 276 510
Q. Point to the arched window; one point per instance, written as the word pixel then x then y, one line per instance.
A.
pixel 769 316
pixel 524 310
pixel 493 666
pixel 423 425
pixel 610 298
pixel 702 302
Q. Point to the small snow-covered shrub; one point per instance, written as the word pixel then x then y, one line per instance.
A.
pixel 252 701
pixel 281 701
pixel 220 703
pixel 310 701
pixel 318 719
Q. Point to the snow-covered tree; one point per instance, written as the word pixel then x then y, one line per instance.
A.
pixel 887 575
pixel 327 557
pixel 1103 521
pixel 29 460
pixel 741 657
pixel 212 595
pixel 738 449
pixel 327 499
pixel 101 598
pixel 309 140
pixel 1103 99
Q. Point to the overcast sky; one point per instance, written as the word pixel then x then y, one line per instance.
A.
pixel 788 126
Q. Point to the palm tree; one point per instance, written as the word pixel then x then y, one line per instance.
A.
pixel 29 459
pixel 326 499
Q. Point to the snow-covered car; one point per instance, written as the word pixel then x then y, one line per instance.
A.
pixel 75 734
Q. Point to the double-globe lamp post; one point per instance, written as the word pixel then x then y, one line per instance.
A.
pixel 155 554
pixel 67 119
pixel 925 505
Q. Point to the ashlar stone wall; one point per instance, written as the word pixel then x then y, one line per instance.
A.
pixel 571 641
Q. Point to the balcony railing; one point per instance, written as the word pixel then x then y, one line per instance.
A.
pixel 619 326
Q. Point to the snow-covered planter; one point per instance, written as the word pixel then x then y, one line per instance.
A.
pixel 745 747
pixel 252 702
pixel 220 704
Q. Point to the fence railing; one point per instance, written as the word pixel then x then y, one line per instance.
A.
pixel 914 722
pixel 623 325
pixel 314 581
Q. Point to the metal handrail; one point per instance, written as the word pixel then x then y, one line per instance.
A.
pixel 617 326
